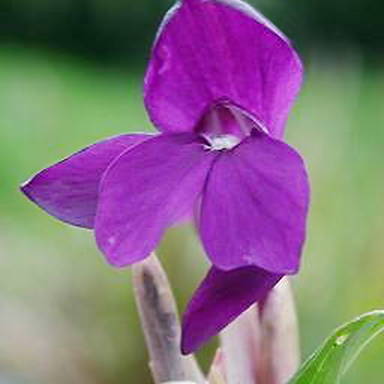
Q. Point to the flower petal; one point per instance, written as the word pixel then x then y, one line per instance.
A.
pixel 221 297
pixel 210 50
pixel 68 190
pixel 145 191
pixel 255 205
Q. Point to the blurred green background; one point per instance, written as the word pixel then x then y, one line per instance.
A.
pixel 70 74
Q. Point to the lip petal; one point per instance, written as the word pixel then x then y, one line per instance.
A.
pixel 255 205
pixel 209 50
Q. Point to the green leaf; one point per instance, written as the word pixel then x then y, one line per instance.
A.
pixel 333 358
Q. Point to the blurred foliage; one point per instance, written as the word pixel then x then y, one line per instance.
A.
pixel 330 23
pixel 122 30
pixel 107 30
pixel 65 316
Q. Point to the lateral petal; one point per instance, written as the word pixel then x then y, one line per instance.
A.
pixel 68 190
pixel 255 205
pixel 145 191
pixel 212 50
pixel 221 297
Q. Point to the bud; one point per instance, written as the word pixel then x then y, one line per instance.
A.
pixel 161 327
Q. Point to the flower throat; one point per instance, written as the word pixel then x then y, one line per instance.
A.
pixel 225 125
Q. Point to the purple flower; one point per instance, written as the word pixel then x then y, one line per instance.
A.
pixel 219 87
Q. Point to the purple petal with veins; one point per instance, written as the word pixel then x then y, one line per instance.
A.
pixel 220 298
pixel 210 50
pixel 68 190
pixel 147 190
pixel 254 206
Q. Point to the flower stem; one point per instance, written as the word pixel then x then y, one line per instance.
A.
pixel 216 373
pixel 240 343
pixel 279 336
pixel 160 324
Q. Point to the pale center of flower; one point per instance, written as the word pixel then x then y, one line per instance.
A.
pixel 221 142
pixel 224 125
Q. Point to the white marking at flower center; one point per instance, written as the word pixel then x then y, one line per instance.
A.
pixel 220 142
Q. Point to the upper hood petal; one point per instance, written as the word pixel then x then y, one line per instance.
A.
pixel 209 50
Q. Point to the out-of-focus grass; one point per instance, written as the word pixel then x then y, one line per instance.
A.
pixel 51 106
